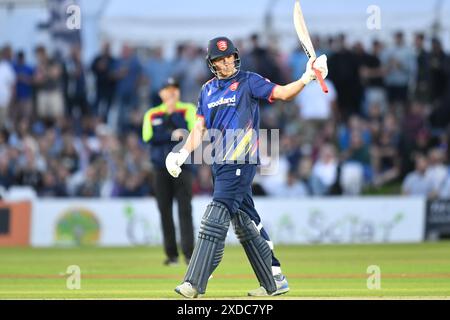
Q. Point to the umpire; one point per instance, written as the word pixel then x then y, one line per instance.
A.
pixel 160 124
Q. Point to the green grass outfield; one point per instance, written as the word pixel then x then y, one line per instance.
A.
pixel 318 271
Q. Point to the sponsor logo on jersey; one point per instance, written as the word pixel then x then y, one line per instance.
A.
pixel 229 101
pixel 234 86
pixel 157 121
pixel 222 45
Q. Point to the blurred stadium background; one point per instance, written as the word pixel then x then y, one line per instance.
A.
pixel 366 164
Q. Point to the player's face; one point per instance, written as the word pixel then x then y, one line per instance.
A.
pixel 225 66
pixel 170 95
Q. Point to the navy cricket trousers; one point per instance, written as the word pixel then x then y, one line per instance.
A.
pixel 233 188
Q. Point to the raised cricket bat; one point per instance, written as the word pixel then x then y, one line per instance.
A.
pixel 305 41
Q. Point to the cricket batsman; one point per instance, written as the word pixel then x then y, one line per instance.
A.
pixel 230 102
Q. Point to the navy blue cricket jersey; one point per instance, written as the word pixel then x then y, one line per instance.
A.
pixel 231 107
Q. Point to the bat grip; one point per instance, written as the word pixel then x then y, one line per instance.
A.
pixel 320 79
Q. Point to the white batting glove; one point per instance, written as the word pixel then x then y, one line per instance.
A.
pixel 320 64
pixel 174 161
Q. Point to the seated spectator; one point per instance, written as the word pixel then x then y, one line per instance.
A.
pixel 416 183
pixel 444 193
pixel 355 123
pixel 51 187
pixel 291 187
pixel 374 120
pixel 69 156
pixel 90 186
pixel 133 187
pixel 6 174
pixel 436 171
pixel 324 172
pixel 385 159
pixel 351 178
pixel 304 172
pixel 358 154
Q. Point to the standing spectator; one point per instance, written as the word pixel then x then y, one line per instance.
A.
pixel 438 76
pixel 400 66
pixel 416 182
pixel 191 72
pixel 7 82
pixel 129 76
pixel 260 61
pixel 105 84
pixel 159 125
pixel 372 75
pixel 422 90
pixel 77 105
pixel 49 86
pixel 316 108
pixel 157 69
pixel 23 107
pixel 344 70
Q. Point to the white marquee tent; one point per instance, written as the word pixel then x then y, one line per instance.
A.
pixel 146 22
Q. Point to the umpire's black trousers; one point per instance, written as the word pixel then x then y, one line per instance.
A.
pixel 166 189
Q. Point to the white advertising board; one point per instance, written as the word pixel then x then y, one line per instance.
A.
pixel 128 222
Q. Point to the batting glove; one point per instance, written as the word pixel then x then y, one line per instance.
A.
pixel 174 161
pixel 320 64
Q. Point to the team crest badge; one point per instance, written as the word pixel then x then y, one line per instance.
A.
pixel 222 45
pixel 234 86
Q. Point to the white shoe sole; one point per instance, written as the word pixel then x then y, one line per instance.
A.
pixel 184 293
pixel 280 292
pixel 276 293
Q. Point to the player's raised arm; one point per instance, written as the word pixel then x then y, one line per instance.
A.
pixel 289 91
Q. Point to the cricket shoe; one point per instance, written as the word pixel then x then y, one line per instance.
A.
pixel 282 287
pixel 187 290
pixel 171 262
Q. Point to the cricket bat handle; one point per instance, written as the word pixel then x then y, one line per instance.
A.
pixel 320 79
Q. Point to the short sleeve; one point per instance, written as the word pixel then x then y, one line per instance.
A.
pixel 261 88
pixel 199 106
pixel 190 116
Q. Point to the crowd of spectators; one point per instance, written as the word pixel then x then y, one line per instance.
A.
pixel 74 129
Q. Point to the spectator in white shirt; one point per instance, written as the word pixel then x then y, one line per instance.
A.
pixel 316 108
pixel 444 193
pixel 416 183
pixel 324 172
pixel 7 84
